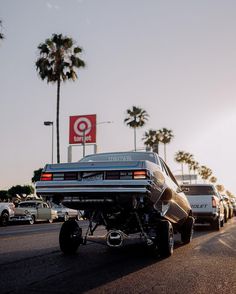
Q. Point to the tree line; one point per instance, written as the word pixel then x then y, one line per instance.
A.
pixel 136 117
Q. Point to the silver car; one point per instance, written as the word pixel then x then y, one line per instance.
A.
pixel 39 211
pixel 64 213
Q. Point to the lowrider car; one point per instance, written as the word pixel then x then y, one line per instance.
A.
pixel 131 194
pixel 38 210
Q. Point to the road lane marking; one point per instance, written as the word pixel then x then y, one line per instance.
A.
pixel 226 245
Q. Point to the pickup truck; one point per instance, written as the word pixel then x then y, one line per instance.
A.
pixel 9 214
pixel 131 194
pixel 6 212
pixel 206 204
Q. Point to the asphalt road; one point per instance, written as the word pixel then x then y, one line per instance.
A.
pixel 31 262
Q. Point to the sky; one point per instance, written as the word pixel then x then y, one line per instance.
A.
pixel 175 59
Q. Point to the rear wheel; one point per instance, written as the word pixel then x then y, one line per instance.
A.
pixel 222 222
pixel 225 216
pixel 216 224
pixel 166 239
pixel 70 237
pixel 187 230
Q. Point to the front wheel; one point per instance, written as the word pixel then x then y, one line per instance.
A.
pixel 166 239
pixel 70 237
pixel 66 217
pixel 4 218
pixel 187 230
pixel 32 221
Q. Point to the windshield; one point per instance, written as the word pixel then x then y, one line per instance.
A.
pixel 120 156
pixel 27 204
pixel 57 205
pixel 198 190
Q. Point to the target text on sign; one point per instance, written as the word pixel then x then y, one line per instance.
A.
pixel 82 129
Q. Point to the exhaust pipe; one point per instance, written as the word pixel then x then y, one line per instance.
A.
pixel 115 238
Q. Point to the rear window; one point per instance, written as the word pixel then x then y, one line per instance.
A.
pixel 198 190
pixel 122 156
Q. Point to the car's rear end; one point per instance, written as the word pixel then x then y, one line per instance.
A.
pixel 206 204
pixel 84 185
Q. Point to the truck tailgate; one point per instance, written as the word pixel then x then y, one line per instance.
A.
pixel 200 203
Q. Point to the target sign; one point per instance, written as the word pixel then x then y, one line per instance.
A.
pixel 82 129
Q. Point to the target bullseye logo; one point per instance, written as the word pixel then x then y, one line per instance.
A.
pixel 82 126
pixel 82 129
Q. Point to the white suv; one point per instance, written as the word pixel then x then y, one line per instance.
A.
pixel 206 203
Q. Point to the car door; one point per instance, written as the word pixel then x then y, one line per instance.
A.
pixel 43 212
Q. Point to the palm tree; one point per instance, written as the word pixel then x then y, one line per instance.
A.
pixel 220 188
pixel 194 165
pixel 59 58
pixel 180 158
pixel 213 179
pixel 136 118
pixel 165 137
pixel 204 172
pixel 188 160
pixel 149 138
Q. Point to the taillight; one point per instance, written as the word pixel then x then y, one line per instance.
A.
pixel 46 177
pixel 139 174
pixel 214 202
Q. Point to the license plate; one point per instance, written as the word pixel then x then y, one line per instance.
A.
pixel 90 177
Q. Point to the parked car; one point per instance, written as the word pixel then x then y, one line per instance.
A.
pixel 233 201
pixel 6 212
pixel 64 213
pixel 131 194
pixel 226 208
pixel 39 211
pixel 231 209
pixel 206 204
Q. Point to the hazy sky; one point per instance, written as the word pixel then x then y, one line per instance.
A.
pixel 175 59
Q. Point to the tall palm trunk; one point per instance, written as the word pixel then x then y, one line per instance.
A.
pixel 165 152
pixel 58 107
pixel 182 169
pixel 189 173
pixel 135 148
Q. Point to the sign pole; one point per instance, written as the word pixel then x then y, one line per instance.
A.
pixel 69 156
pixel 83 143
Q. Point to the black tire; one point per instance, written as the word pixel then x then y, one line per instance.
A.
pixel 222 222
pixel 225 217
pixel 216 224
pixel 4 218
pixel 66 217
pixel 165 239
pixel 32 221
pixel 187 230
pixel 70 237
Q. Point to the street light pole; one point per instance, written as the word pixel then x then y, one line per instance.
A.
pixel 84 135
pixel 50 123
